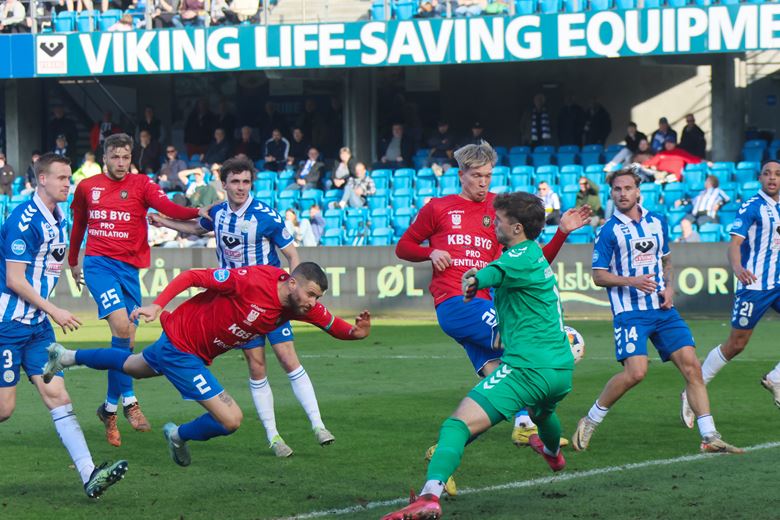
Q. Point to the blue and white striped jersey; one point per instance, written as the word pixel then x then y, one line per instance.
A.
pixel 247 236
pixel 758 222
pixel 32 236
pixel 708 201
pixel 628 248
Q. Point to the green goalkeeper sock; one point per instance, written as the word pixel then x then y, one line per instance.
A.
pixel 452 440
pixel 550 432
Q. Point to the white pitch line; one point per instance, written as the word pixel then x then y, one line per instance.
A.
pixel 530 483
pixel 424 357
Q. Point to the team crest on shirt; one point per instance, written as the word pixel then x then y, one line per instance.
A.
pixel 123 194
pixel 286 234
pixel 8 376
pixel 456 219
pixel 486 221
pixel 252 316
pixel 49 230
pixel 96 194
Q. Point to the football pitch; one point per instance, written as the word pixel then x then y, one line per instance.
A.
pixel 384 399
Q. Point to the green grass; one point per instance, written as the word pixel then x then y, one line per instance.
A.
pixel 384 399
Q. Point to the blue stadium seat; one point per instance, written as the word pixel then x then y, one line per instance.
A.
pixel 754 150
pixel 309 198
pixel 672 192
pixel 333 195
pixel 677 3
pixel 447 182
pixel 498 180
pixel 86 21
pixel 568 178
pixel 710 232
pixel 675 215
pixel 403 178
pixel 596 175
pixel 331 237
pixel 591 154
pixel 567 155
pixel 381 178
pixel 542 155
pixel 380 200
pixel 693 177
pixel 584 235
pixel 549 6
pixel 568 196
pixel 443 192
pixel 625 4
pixel 380 218
pixel 525 169
pixel 703 3
pixel 728 213
pixel 263 184
pixel 525 7
pixel 401 198
pixel 402 218
pixel 548 177
pixel 574 6
pixel 287 199
pixel 380 237
pixel 548 168
pixel 547 233
pixel 743 175
pixel 334 219
pixel 65 21
pixel 501 170
pixel 519 179
pixel 749 165
pixel 528 188
pixel 266 196
pixel 600 5
pixel 653 4
pixel 422 183
pixel 651 194
pixel 355 221
pixel 518 155
pixel 284 179
pixel 748 189
pixel 420 196
pixel 499 189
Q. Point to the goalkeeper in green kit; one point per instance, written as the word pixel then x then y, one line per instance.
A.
pixel 536 368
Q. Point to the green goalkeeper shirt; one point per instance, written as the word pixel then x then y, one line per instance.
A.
pixel 530 318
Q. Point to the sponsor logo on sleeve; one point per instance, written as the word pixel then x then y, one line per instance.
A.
pixel 221 275
pixel 18 247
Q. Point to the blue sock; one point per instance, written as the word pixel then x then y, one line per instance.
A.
pixel 202 429
pixel 119 383
pixel 103 358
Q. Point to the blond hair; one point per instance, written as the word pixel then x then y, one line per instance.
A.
pixel 475 155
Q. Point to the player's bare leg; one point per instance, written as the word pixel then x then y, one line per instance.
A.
pixel 223 417
pixel 634 371
pixel 263 397
pixel 303 390
pixel 7 402
pixel 688 364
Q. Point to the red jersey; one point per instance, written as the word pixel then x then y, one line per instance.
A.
pixel 464 229
pixel 114 215
pixel 238 306
pixel 672 162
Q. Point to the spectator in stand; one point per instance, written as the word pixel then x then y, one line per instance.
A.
pixel 693 140
pixel 626 155
pixel 7 177
pixel 705 206
pixel 192 13
pixel 61 125
pixel 122 5
pixel 199 128
pixel 660 136
pixel 343 169
pixel 276 150
pixel 689 235
pixel 163 14
pixel 470 8
pixel 151 124
pixel 301 230
pixel 358 188
pixel 598 124
pixel 219 149
pixel 200 193
pixel 101 130
pixel 247 145
pixel 552 204
pixel 299 149
pixel 667 165
pixel 309 173
pixel 442 146
pixel 61 146
pixel 89 168
pixel 571 120
pixel 477 134
pixel 537 123
pixel 125 23
pixel 396 151
pixel 226 120
pixel 312 123
pixel 31 180
pixel 589 194
pixel 168 179
pixel 272 120
pixel 317 223
pixel 13 17
pixel 239 11
pixel 146 153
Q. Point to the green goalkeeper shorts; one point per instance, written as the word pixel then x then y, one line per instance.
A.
pixel 505 391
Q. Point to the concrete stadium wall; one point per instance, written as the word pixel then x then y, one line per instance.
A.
pixel 373 278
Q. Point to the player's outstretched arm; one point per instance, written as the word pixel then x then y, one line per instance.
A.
pixel 735 259
pixel 147 312
pixel 468 283
pixel 362 327
pixel 191 227
pixel 16 281
pixel 644 282
pixel 572 220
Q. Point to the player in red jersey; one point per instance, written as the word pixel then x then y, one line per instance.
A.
pixel 460 235
pixel 238 306
pixel 112 209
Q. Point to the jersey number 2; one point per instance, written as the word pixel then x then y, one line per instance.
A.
pixel 201 384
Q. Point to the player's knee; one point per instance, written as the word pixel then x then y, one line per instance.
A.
pixel 232 423
pixel 636 374
pixel 6 411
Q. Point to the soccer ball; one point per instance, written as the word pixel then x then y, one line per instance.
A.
pixel 576 342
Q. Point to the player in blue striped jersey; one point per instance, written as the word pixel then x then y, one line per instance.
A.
pixel 249 232
pixel 33 248
pixel 754 255
pixel 631 258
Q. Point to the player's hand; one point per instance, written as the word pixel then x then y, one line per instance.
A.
pixel 149 312
pixel 204 212
pixel 469 284
pixel 644 282
pixel 744 275
pixel 575 218
pixel 78 277
pixel 441 260
pixel 155 219
pixel 65 319
pixel 362 325
pixel 667 297
pixel 497 342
